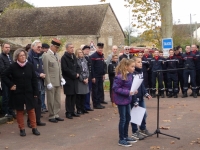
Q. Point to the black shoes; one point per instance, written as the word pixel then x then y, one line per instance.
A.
pixel 75 115
pixel 89 109
pixel 194 94
pixel 22 132
pixel 59 119
pixel 169 96
pixel 184 95
pixel 99 107
pixel 85 111
pixel 162 96
pixel 104 102
pixel 35 131
pixel 41 124
pixel 68 115
pixel 53 120
pixel 80 112
pixel 175 96
pixel 153 95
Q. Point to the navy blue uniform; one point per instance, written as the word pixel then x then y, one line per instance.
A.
pixel 189 62
pixel 157 64
pixel 165 76
pixel 180 72
pixel 172 76
pixel 111 73
pixel 145 68
pixel 98 71
pixel 197 65
pixel 149 72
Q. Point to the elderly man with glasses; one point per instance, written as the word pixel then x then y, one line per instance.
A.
pixel 126 54
pixel 35 59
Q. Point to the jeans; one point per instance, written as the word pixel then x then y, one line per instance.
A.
pixel 124 115
pixel 143 124
pixel 87 97
pixel 5 100
pixel 42 97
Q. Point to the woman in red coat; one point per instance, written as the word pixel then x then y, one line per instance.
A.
pixel 20 77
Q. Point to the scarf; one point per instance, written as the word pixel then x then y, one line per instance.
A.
pixel 156 57
pixel 22 64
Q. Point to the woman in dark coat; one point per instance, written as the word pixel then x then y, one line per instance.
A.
pixel 83 88
pixel 20 77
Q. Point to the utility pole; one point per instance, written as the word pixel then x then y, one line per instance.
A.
pixel 191 34
pixel 129 41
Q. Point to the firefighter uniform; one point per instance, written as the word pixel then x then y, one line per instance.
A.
pixel 189 63
pixel 172 76
pixel 157 64
pixel 180 72
pixel 145 68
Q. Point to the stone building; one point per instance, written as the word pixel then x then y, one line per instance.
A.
pixel 76 24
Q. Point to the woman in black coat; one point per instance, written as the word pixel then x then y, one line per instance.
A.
pixel 20 77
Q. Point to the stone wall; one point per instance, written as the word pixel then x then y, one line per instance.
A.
pixel 76 40
pixel 111 33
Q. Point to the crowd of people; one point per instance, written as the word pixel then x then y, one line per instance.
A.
pixel 37 71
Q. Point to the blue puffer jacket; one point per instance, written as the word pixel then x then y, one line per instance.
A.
pixel 141 90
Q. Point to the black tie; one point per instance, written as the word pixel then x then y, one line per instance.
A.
pixel 56 56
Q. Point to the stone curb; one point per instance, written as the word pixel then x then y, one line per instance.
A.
pixel 3 120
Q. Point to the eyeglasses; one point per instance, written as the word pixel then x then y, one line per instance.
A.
pixel 39 47
pixel 127 49
pixel 56 46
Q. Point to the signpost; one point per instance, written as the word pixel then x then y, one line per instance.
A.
pixel 167 44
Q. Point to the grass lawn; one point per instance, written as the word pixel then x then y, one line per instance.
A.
pixel 106 85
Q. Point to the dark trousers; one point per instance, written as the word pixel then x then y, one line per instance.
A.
pixel 180 80
pixel 43 105
pixel 111 84
pixel 97 91
pixel 124 119
pixel 165 81
pixel 5 100
pixel 198 79
pixel 87 97
pixel 70 103
pixel 143 124
pixel 37 108
pixel 159 76
pixel 192 74
pixel 80 102
pixel 102 98
pixel 149 72
pixel 146 80
pixel 172 79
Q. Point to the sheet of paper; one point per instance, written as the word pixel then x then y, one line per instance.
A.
pixel 137 81
pixel 137 114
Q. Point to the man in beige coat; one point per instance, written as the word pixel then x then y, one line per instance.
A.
pixel 53 80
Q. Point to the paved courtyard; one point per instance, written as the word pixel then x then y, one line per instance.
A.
pixel 98 130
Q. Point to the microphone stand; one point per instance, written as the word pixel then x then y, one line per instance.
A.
pixel 157 131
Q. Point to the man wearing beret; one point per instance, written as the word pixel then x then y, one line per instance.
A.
pixel 98 76
pixel 45 47
pixel 86 52
pixel 53 80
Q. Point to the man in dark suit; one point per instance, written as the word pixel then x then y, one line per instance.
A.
pixel 70 72
pixel 5 61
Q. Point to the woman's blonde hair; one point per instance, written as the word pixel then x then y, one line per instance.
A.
pixel 76 52
pixel 122 67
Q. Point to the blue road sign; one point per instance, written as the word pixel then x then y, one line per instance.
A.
pixel 167 43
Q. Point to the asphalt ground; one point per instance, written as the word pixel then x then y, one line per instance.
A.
pixel 98 130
